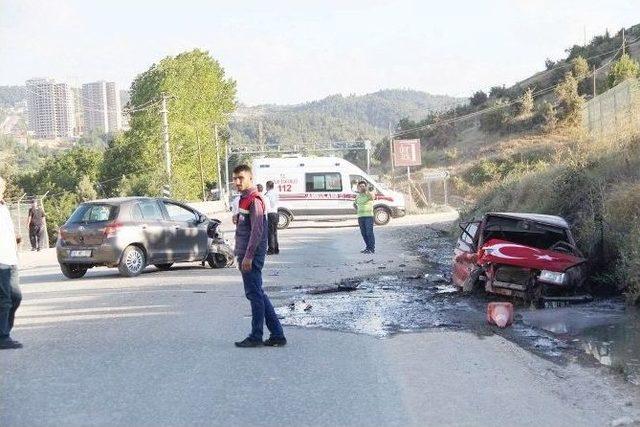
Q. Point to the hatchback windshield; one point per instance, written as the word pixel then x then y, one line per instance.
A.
pixel 93 212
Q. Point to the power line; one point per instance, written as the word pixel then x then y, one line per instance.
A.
pixel 568 63
pixel 497 107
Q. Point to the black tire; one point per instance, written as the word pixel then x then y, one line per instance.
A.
pixel 73 271
pixel 163 267
pixel 381 215
pixel 217 260
pixel 284 219
pixel 132 262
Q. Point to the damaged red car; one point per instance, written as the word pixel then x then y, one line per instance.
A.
pixel 529 256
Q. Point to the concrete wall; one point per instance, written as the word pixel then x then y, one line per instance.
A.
pixel 615 111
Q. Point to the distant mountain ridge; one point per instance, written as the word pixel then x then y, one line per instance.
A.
pixel 12 96
pixel 336 117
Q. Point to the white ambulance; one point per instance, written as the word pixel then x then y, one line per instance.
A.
pixel 322 188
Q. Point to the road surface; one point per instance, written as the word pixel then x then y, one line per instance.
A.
pixel 158 350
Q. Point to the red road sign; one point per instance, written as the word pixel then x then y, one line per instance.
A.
pixel 406 152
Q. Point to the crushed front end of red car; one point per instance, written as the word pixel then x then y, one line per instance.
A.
pixel 529 256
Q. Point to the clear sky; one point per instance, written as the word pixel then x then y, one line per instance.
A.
pixel 296 51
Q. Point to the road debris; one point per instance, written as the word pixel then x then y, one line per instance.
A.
pixel 300 306
pixel 500 314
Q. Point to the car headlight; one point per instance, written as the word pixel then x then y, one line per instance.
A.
pixel 552 277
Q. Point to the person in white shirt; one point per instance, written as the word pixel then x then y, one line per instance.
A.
pixel 10 295
pixel 260 189
pixel 272 218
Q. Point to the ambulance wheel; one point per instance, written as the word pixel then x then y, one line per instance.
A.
pixel 284 219
pixel 381 215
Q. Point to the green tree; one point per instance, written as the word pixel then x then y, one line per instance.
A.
pixel 63 172
pixel 495 119
pixel 548 114
pixel 526 103
pixel 200 95
pixel 478 98
pixel 549 64
pixel 86 190
pixel 580 68
pixel 625 68
pixel 61 177
pixel 570 101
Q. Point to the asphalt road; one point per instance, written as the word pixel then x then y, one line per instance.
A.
pixel 158 350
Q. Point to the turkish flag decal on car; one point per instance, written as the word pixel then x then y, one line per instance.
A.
pixel 497 251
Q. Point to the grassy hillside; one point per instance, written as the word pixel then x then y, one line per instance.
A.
pixel 11 96
pixel 507 161
pixel 335 118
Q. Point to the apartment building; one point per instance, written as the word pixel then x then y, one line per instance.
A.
pixel 102 110
pixel 50 109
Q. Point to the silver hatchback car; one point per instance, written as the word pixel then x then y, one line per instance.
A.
pixel 130 233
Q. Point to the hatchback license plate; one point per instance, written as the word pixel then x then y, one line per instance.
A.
pixel 80 254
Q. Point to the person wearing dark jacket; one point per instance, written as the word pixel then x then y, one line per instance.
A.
pixel 251 251
pixel 36 225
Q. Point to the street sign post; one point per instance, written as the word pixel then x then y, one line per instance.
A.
pixel 406 152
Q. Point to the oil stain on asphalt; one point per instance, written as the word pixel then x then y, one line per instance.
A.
pixel 389 304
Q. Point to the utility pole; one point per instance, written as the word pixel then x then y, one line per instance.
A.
pixel 393 171
pixel 204 196
pixel 215 135
pixel 594 81
pixel 623 47
pixel 165 139
pixel 367 146
pixel 226 167
pixel 260 136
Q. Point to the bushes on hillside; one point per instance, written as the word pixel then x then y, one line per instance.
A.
pixel 495 119
pixel 526 104
pixel 570 102
pixel 580 68
pixel 489 170
pixel 597 192
pixel 478 98
pixel 625 68
pixel 547 114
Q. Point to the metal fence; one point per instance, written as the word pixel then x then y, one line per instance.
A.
pixel 425 189
pixel 615 111
pixel 19 211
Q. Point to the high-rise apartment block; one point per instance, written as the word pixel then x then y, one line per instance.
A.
pixel 102 109
pixel 50 109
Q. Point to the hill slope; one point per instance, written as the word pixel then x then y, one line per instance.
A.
pixel 335 118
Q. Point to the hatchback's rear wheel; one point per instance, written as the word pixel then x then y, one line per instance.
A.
pixel 73 271
pixel 164 267
pixel 133 261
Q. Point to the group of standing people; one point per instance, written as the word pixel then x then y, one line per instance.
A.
pixel 255 215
